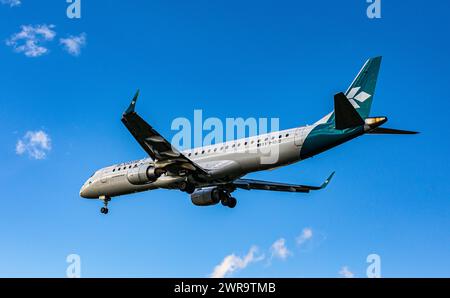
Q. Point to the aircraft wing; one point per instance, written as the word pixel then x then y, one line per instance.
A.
pixel 275 186
pixel 156 146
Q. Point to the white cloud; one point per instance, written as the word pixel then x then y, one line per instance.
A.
pixel 279 249
pixel 306 235
pixel 345 272
pixel 30 39
pixel 73 44
pixel 11 3
pixel 232 263
pixel 34 143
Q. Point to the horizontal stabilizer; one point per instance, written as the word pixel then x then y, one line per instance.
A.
pixel 346 115
pixel 391 131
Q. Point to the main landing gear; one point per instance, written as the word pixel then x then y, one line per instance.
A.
pixel 187 187
pixel 105 210
pixel 228 201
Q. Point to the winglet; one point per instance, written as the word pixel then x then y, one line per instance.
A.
pixel 325 183
pixel 132 104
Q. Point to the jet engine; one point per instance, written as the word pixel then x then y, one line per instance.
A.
pixel 207 196
pixel 143 174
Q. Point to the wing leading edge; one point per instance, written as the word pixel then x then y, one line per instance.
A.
pixel 249 184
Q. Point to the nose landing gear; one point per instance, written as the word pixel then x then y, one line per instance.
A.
pixel 105 210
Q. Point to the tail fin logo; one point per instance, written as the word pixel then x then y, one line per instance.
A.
pixel 355 97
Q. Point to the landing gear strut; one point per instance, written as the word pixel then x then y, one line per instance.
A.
pixel 105 210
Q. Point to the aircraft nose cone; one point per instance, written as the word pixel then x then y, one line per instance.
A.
pixel 87 191
pixel 82 192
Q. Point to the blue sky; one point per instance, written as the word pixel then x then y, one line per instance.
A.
pixel 244 59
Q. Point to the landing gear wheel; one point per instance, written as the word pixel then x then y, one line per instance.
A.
pixel 106 200
pixel 226 199
pixel 232 202
pixel 183 186
pixel 187 187
pixel 224 202
pixel 190 189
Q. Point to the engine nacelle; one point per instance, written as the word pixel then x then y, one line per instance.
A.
pixel 207 196
pixel 143 174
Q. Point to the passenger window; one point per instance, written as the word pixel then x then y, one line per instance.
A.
pixel 287 135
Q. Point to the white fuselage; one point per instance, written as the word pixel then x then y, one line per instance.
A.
pixel 225 161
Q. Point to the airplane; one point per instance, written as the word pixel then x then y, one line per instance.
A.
pixel 210 174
